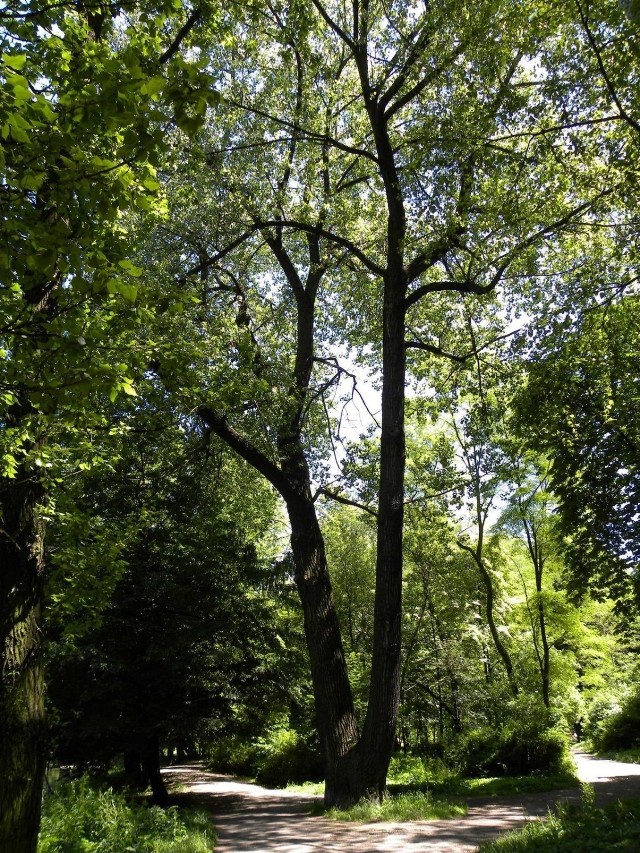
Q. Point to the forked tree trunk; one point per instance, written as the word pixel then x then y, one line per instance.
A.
pixel 22 724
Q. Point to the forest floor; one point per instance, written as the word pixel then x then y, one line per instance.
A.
pixel 251 819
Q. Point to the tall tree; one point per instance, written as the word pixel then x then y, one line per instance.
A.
pixel 415 158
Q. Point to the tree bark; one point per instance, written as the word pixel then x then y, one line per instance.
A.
pixel 150 761
pixel 22 732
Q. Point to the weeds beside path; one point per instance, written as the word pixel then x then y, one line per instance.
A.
pixel 251 819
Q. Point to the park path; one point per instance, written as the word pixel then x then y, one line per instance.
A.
pixel 251 819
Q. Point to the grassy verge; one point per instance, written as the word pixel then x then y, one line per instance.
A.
pixel 424 787
pixel 79 819
pixel 629 756
pixel 398 808
pixel 505 786
pixel 586 829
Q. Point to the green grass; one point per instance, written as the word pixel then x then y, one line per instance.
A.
pixel 79 819
pixel 615 829
pixel 412 775
pixel 505 786
pixel 398 808
pixel 629 756
pixel 314 788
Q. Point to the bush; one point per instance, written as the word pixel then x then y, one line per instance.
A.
pixel 576 830
pixel 78 819
pixel 233 754
pixel 621 730
pixel 600 711
pixel 512 752
pixel 408 769
pixel 285 758
pixel 279 758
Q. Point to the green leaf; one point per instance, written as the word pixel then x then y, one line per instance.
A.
pixel 130 268
pixel 16 61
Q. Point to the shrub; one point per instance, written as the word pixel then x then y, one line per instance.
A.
pixel 512 752
pixel 285 757
pixel 233 754
pixel 622 730
pixel 599 713
pixel 78 819
pixel 279 758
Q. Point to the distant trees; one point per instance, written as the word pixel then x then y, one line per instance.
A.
pixel 192 638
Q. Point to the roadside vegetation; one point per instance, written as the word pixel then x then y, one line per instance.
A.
pixel 577 829
pixel 78 818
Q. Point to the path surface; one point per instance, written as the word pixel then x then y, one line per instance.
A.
pixel 251 819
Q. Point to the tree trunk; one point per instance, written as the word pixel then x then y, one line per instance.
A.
pixel 337 725
pixel 22 733
pixel 150 760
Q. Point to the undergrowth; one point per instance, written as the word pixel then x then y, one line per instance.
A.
pixel 76 818
pixel 582 829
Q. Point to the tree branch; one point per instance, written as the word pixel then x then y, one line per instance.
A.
pixel 219 424
pixel 183 32
pixel 328 235
pixel 346 501
pixel 610 87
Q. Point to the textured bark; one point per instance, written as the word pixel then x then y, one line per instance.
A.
pixel 22 724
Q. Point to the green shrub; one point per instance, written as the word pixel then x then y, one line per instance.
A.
pixel 512 751
pixel 233 754
pixel 600 711
pixel 279 758
pixel 576 830
pixel 622 730
pixel 410 770
pixel 79 819
pixel 285 757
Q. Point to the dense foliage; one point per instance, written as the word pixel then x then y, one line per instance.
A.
pixel 77 818
pixel 335 300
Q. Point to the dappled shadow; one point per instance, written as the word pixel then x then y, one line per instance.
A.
pixel 251 819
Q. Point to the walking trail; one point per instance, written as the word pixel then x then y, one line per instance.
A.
pixel 251 819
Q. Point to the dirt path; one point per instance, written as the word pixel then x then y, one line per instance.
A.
pixel 250 819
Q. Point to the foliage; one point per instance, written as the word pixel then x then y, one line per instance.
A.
pixel 576 830
pixel 284 757
pixel 621 730
pixel 79 819
pixel 513 751
pixel 582 388
pixel 196 632
pixel 279 758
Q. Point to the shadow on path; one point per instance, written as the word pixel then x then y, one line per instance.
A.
pixel 251 819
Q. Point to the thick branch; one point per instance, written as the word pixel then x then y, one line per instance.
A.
pixel 219 424
pixel 610 87
pixel 328 235
pixel 183 32
pixel 471 286
pixel 332 24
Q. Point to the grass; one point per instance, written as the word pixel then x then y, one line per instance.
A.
pixel 421 789
pixel 398 808
pixel 583 829
pixel 80 819
pixel 314 788
pixel 411 773
pixel 629 756
pixel 505 786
